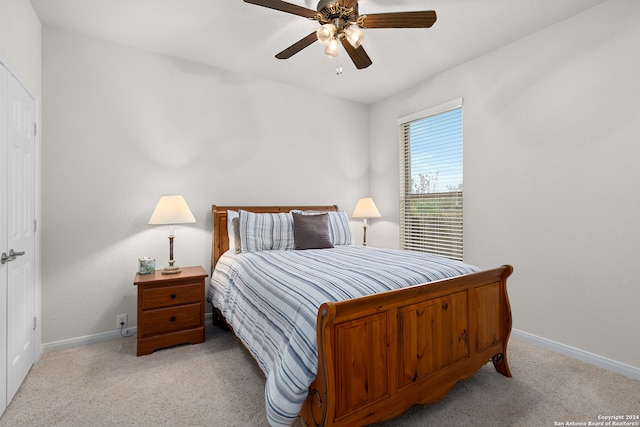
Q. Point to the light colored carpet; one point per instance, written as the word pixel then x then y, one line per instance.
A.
pixel 217 384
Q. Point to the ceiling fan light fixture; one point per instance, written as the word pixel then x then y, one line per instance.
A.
pixel 332 48
pixel 340 22
pixel 326 33
pixel 355 36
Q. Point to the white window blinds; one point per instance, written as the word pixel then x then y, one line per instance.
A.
pixel 431 181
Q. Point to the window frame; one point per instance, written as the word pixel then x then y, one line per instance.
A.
pixel 444 236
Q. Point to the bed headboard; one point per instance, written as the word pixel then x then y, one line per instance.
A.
pixel 219 237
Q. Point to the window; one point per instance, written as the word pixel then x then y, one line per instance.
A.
pixel 431 181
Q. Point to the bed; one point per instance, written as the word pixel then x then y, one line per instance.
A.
pixel 375 355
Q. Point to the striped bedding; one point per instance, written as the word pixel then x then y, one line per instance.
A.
pixel 271 300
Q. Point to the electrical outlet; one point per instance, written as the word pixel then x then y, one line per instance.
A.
pixel 121 321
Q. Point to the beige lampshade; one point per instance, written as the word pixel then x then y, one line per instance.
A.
pixel 171 210
pixel 366 208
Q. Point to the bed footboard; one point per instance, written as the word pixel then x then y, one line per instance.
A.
pixel 380 354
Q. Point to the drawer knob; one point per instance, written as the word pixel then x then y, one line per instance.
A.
pixel 173 296
pixel 173 318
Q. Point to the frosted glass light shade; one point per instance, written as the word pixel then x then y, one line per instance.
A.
pixel 355 36
pixel 325 33
pixel 332 48
pixel 171 210
pixel 366 208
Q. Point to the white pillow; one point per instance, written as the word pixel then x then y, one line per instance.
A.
pixel 266 231
pixel 339 229
pixel 230 232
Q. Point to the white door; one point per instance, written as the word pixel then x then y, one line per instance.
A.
pixel 3 236
pixel 20 236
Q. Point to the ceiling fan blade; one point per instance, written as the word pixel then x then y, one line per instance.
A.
pixel 298 46
pixel 348 3
pixel 283 6
pixel 358 56
pixel 423 19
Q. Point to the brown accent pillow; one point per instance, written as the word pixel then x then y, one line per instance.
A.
pixel 311 231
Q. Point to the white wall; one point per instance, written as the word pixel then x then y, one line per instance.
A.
pixel 551 155
pixel 20 34
pixel 20 47
pixel 124 126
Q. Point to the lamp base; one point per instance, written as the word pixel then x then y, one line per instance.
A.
pixel 171 270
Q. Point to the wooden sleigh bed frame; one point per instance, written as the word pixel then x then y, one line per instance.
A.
pixel 380 354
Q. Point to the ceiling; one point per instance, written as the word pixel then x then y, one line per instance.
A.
pixel 243 38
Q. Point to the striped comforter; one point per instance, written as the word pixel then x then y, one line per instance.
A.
pixel 271 300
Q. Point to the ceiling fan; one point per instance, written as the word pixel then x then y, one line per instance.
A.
pixel 340 23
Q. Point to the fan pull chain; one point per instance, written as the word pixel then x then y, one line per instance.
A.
pixel 339 67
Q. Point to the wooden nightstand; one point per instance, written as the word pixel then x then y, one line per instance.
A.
pixel 170 309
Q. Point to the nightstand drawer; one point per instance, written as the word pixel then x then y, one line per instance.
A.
pixel 170 296
pixel 170 319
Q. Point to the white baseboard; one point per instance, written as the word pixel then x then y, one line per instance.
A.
pixel 576 353
pixel 85 340
pixel 92 339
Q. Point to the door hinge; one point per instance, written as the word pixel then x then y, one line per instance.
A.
pixel 35 225
pixel 35 322
pixel 35 129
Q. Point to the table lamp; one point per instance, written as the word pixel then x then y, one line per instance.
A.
pixel 365 208
pixel 171 210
